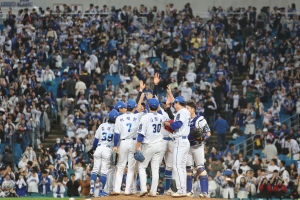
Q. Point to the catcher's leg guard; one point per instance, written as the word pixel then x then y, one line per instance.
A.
pixel 189 179
pixel 203 180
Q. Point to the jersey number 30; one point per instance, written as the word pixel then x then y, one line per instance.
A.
pixel 156 128
pixel 109 137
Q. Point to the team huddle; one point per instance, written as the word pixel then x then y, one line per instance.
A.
pixel 146 133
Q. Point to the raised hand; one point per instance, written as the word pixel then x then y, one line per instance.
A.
pixel 156 78
pixel 142 86
pixel 149 96
pixel 169 90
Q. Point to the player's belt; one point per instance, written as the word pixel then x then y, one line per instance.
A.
pixel 129 139
pixel 106 145
pixel 182 137
pixel 195 143
pixel 167 138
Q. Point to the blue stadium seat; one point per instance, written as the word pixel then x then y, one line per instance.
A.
pixel 257 152
pixel 154 60
pixel 283 157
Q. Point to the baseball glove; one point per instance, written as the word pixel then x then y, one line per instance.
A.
pixel 90 153
pixel 114 158
pixel 168 128
pixel 139 156
pixel 197 134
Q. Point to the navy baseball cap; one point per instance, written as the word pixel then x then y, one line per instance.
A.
pixel 179 99
pixel 131 104
pixel 153 103
pixel 119 105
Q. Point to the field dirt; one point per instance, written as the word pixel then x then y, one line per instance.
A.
pixel 135 197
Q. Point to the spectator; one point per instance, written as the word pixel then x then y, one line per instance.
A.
pixel 32 182
pixel 44 183
pixel 280 189
pixel 228 187
pixel 7 185
pixel 221 127
pixel 270 151
pixel 21 186
pixel 72 186
pixel 58 189
pixel 85 185
pixel 216 166
pixel 265 189
pixel 236 132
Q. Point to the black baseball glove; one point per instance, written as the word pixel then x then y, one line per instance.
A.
pixel 197 134
pixel 114 158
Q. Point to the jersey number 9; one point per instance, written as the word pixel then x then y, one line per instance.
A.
pixel 156 128
pixel 107 137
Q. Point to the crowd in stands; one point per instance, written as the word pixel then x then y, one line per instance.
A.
pixel 71 67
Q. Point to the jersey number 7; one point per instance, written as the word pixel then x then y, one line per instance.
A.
pixel 129 126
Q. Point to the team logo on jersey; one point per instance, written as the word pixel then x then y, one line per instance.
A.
pixel 140 128
pixel 177 117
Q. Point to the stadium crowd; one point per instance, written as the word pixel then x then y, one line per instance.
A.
pixel 70 68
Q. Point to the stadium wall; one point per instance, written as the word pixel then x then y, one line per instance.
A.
pixel 197 5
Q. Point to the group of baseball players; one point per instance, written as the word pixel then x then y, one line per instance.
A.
pixel 143 133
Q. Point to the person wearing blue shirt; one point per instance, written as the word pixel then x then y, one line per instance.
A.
pixel 112 45
pixel 220 71
pixel 271 83
pixel 131 29
pixel 240 118
pixel 44 184
pixel 221 127
pixel 288 104
pixel 229 149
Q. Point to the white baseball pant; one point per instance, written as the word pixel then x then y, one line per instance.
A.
pixel 180 153
pixel 152 152
pixel 126 154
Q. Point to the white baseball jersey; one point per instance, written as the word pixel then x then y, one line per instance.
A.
pixel 164 132
pixel 150 126
pixel 105 134
pixel 82 132
pixel 184 116
pixel 127 124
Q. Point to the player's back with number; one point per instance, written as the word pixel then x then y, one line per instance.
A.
pixel 105 134
pixel 151 126
pixel 127 125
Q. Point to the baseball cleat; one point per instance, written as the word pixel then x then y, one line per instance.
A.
pixel 190 194
pixel 103 194
pixel 177 195
pixel 115 193
pixel 143 194
pixel 151 195
pixel 128 194
pixel 92 193
pixel 203 195
pixel 169 192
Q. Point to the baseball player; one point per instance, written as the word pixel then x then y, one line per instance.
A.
pixel 121 107
pixel 126 131
pixel 109 186
pixel 150 140
pixel 181 143
pixel 199 132
pixel 167 153
pixel 103 145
